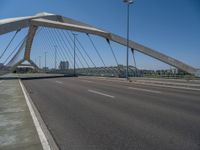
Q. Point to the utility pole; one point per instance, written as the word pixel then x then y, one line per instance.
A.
pixel 45 60
pixel 75 53
pixel 128 2
pixel 55 46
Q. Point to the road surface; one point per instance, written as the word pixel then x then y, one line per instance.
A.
pixel 93 114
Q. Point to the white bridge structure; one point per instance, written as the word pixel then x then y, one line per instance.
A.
pixel 60 22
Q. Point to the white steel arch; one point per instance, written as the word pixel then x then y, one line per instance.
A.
pixel 57 21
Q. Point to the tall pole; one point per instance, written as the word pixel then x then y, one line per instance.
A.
pixel 127 52
pixel 55 46
pixel 36 61
pixel 40 62
pixel 45 60
pixel 74 53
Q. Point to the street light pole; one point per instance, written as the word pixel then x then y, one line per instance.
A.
pixel 36 61
pixel 75 53
pixel 128 2
pixel 40 62
pixel 45 63
pixel 55 46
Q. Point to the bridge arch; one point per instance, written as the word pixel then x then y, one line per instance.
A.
pixel 57 21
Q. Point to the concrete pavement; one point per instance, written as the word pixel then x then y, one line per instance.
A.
pixel 104 115
pixel 17 130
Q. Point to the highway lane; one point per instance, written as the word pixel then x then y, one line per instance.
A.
pixel 99 114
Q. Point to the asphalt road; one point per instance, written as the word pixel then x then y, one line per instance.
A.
pixel 92 114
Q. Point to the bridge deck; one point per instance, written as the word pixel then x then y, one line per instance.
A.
pixel 100 114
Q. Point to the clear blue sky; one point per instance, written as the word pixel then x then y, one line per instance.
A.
pixel 169 26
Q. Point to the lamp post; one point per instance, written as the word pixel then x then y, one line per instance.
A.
pixel 75 53
pixel 128 2
pixel 40 62
pixel 36 61
pixel 45 60
pixel 55 46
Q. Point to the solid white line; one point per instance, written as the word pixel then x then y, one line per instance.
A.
pixel 41 134
pixel 59 82
pixel 145 90
pixel 100 93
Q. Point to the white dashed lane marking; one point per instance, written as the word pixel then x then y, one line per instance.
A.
pixel 100 93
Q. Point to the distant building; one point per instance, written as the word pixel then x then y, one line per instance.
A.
pixel 64 65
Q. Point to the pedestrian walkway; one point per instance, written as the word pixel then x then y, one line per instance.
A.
pixel 17 130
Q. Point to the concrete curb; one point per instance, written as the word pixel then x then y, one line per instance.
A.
pixel 47 139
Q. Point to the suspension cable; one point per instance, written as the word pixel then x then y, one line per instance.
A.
pixel 61 39
pixel 60 47
pixel 112 51
pixel 38 32
pixel 71 53
pixel 54 42
pixel 68 47
pixel 9 44
pixel 83 49
pixel 51 50
pixel 106 68
pixel 43 39
pixel 96 49
pixel 40 46
pixel 18 45
pixel 72 47
pixel 97 52
pixel 85 52
pixel 113 54
pixel 80 54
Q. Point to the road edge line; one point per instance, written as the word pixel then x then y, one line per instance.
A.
pixel 44 134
